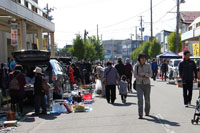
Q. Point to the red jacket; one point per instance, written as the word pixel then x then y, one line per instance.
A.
pixel 71 75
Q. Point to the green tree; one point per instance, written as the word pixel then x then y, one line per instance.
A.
pixel 154 48
pixel 78 49
pixel 172 42
pixel 98 47
pixel 91 53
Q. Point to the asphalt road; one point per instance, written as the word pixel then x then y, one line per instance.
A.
pixel 168 115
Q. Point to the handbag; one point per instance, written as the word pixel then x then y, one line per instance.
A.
pixel 134 83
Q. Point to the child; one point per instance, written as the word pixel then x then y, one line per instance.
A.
pixel 123 87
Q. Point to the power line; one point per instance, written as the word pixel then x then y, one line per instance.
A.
pixel 164 15
pixel 132 16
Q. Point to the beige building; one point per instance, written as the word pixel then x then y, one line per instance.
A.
pixel 33 27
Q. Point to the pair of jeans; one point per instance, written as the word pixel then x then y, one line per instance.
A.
pixel 111 93
pixel 143 91
pixel 40 102
pixel 187 91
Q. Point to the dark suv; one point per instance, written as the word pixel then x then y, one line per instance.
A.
pixel 52 69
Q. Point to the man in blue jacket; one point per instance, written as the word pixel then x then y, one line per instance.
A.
pixel 187 71
pixel 154 68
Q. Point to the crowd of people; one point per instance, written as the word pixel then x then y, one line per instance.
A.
pixel 110 75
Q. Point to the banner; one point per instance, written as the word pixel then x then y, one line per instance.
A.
pixel 14 34
pixel 195 49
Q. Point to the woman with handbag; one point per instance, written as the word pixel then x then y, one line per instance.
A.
pixel 143 73
pixel 111 77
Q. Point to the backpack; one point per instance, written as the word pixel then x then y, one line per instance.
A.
pixel 45 86
pixel 14 83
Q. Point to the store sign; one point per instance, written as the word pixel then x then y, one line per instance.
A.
pixel 14 34
pixel 195 49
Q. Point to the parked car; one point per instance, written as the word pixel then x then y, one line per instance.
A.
pixel 173 68
pixel 55 74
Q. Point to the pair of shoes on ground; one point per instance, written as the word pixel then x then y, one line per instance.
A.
pixel 124 101
pixel 187 105
pixel 141 117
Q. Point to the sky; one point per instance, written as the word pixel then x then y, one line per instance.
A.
pixel 116 19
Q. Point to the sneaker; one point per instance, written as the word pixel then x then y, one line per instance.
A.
pixel 186 106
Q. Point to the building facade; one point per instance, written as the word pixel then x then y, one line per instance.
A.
pixel 31 23
pixel 162 38
pixel 115 49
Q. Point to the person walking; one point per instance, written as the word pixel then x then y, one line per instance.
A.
pixel 188 73
pixel 154 67
pixel 128 72
pixel 110 80
pixel 100 73
pixel 142 73
pixel 12 64
pixel 164 69
pixel 120 67
pixel 39 92
pixel 123 87
pixel 16 90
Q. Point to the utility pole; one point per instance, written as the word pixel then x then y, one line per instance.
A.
pixel 151 20
pixel 177 26
pixel 97 32
pixel 85 35
pixel 141 27
pixel 48 10
pixel 136 33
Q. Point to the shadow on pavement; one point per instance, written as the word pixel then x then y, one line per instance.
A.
pixel 161 121
pixel 29 119
pixel 123 105
pixel 49 116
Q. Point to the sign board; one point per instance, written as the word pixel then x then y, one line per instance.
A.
pixel 14 34
pixel 195 49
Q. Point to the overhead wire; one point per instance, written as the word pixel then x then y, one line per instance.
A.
pixel 132 16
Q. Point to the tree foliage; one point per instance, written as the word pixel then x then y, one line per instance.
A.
pixel 149 48
pixel 78 48
pixel 154 48
pixel 172 42
pixel 90 49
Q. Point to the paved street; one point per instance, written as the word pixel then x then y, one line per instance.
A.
pixel 168 115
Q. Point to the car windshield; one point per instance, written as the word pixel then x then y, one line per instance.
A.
pixel 176 63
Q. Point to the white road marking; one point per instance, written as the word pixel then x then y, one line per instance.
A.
pixel 166 127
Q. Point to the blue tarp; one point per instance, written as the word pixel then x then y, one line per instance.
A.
pixel 170 55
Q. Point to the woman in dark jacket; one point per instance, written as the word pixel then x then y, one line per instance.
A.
pixel 39 92
pixel 17 96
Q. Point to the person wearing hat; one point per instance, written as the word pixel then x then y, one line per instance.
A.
pixel 188 74
pixel 142 73
pixel 17 95
pixel 39 92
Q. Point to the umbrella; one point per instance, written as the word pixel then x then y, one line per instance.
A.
pixel 170 55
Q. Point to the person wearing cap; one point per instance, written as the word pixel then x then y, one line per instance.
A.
pixel 17 96
pixel 120 67
pixel 129 71
pixel 142 73
pixel 188 74
pixel 39 92
pixel 110 77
